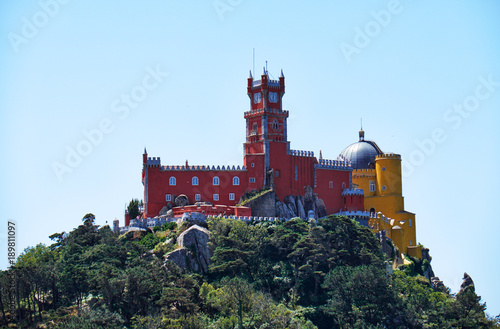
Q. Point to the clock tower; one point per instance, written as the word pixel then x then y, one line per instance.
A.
pixel 266 127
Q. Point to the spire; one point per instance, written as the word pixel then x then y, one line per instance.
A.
pixel 320 155
pixel 361 132
pixel 265 73
pixel 250 77
pixel 145 152
pixel 282 75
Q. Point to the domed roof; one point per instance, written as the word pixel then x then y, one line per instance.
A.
pixel 361 153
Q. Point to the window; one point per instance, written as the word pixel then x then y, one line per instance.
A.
pixel 330 184
pixel 231 196
pixel 236 180
pixel 409 223
pixel 195 180
pixel 252 179
pixel 343 185
pixel 168 197
pixel 277 173
pixel 296 173
pixel 275 124
pixel 383 168
pixel 384 187
pixel 411 242
pixel 215 180
pixel 372 186
pixel 171 181
pixel 254 127
pixel 216 197
pixel 197 197
pixel 253 164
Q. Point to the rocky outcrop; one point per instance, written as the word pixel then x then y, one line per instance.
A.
pixel 163 211
pixel 466 283
pixel 300 206
pixel 193 218
pixel 193 252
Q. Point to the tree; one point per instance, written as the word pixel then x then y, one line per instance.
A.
pixel 133 208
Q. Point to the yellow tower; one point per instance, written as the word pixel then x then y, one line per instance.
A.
pixel 379 175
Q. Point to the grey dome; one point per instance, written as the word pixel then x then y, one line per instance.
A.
pixel 361 153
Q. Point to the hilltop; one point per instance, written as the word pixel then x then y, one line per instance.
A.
pixel 329 273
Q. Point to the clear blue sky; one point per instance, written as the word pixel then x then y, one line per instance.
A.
pixel 413 70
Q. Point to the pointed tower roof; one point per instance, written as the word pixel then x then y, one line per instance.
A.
pixel 250 76
pixel 282 75
pixel 145 152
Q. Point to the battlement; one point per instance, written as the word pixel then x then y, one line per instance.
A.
pixel 388 156
pixel 154 161
pixel 298 153
pixel 354 213
pixel 202 168
pixel 270 83
pixel 266 111
pixel 370 171
pixel 333 164
pixel 353 191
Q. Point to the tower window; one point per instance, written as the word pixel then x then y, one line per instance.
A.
pixel 215 180
pixel 216 197
pixel 172 181
pixel 384 188
pixel 168 197
pixel 275 124
pixel 411 242
pixel 372 186
pixel 236 180
pixel 409 223
pixel 254 127
pixel 343 185
pixel 253 164
pixel 383 168
pixel 252 179
pixel 197 197
pixel 231 196
pixel 277 173
pixel 195 181
pixel 330 184
pixel 296 172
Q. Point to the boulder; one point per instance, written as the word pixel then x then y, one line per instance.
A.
pixel 178 257
pixel 320 208
pixel 181 201
pixel 193 253
pixel 163 211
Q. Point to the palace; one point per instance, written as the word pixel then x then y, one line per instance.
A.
pixel 363 182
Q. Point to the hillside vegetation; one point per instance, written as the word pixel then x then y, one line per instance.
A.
pixel 294 274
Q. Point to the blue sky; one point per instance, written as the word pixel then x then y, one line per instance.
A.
pixel 424 76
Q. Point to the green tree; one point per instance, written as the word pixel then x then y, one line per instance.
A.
pixel 133 208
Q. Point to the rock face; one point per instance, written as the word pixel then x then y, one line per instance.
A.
pixel 193 253
pixel 163 211
pixel 300 206
pixel 264 205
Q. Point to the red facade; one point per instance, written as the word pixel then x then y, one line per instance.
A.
pixel 268 163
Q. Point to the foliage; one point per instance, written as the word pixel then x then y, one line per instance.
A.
pixel 133 208
pixel 282 274
pixel 252 195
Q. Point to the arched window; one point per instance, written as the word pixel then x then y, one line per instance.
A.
pixel 254 127
pixel 171 181
pixel 195 181
pixel 236 180
pixel 330 184
pixel 215 180
pixel 275 124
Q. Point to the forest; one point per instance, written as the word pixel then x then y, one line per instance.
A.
pixel 329 273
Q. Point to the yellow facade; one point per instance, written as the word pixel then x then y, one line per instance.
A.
pixel 382 186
